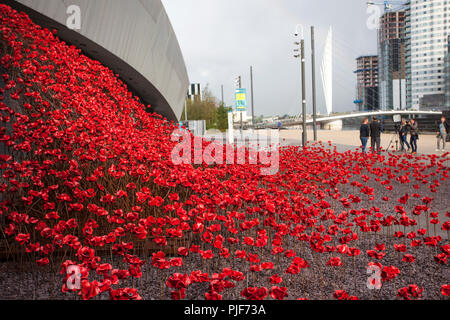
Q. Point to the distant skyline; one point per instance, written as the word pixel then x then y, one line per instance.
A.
pixel 221 39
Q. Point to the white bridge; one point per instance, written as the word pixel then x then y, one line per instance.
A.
pixel 336 119
pixel 374 114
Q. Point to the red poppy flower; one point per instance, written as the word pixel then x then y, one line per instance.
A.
pixel 278 293
pixel 254 293
pixel 412 292
pixel 125 294
pixel 89 289
pixel 176 262
pixel 42 262
pixel 400 247
pixel 445 290
pixel 389 273
pixel 335 262
pixel 178 281
pixel 408 258
pixel 341 295
pixel 275 279
pixel 441 258
pixel 22 238
pixel 182 251
pixel 213 296
pixel 376 255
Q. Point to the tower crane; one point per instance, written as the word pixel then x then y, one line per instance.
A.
pixel 388 5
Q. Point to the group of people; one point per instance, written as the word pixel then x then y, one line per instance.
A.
pixel 374 129
pixel 412 128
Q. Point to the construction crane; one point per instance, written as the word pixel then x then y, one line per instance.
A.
pixel 388 5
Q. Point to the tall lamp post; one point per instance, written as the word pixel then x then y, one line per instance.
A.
pixel 302 56
pixel 251 88
pixel 313 71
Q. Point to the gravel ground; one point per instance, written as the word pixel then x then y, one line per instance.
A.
pixel 316 282
pixel 319 281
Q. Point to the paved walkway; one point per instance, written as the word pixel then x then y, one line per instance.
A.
pixel 343 140
pixel 349 140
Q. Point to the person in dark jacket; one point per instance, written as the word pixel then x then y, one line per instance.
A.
pixel 403 133
pixel 443 131
pixel 364 133
pixel 375 135
pixel 414 131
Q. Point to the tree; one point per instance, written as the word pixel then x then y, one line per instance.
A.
pixel 203 109
pixel 259 119
pixel 222 117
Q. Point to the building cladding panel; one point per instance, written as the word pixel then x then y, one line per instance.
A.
pixel 134 38
pixel 428 25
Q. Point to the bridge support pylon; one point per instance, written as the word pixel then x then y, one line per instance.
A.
pixel 332 125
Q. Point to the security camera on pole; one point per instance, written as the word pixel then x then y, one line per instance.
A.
pixel 302 56
pixel 239 86
pixel 238 82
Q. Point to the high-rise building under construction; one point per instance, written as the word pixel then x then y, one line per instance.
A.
pixel 367 83
pixel 391 61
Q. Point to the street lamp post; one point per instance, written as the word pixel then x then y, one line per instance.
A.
pixel 313 71
pixel 302 56
pixel 251 88
pixel 185 110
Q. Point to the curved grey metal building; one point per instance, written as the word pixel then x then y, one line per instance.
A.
pixel 134 38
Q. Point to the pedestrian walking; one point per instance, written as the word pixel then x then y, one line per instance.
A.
pixel 403 133
pixel 364 133
pixel 443 131
pixel 375 135
pixel 414 132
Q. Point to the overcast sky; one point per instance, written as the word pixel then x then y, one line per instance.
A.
pixel 220 39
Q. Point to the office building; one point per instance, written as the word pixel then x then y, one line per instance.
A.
pixel 194 92
pixel 427 28
pixel 447 76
